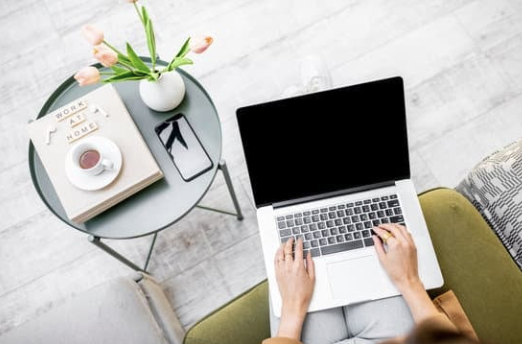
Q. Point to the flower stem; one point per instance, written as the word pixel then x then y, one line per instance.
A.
pixel 130 68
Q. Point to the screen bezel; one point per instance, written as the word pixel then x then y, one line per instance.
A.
pixel 394 84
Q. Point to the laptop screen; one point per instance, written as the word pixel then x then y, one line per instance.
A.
pixel 324 142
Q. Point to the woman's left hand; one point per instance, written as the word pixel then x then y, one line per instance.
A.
pixel 296 284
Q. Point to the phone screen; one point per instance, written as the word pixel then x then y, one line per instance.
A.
pixel 184 147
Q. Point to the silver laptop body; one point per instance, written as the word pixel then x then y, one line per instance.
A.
pixel 311 160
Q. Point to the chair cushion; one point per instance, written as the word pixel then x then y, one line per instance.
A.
pixel 494 187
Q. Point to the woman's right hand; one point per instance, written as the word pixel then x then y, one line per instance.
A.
pixel 399 259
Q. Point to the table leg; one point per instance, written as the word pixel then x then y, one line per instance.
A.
pixel 97 242
pixel 223 167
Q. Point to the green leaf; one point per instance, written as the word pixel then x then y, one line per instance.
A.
pixel 178 61
pixel 123 58
pixel 128 75
pixel 185 48
pixel 144 15
pixel 136 61
pixel 118 69
pixel 151 41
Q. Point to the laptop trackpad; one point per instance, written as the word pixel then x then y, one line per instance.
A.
pixel 356 278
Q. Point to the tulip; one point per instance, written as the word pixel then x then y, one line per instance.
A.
pixel 106 56
pixel 200 44
pixel 87 76
pixel 92 34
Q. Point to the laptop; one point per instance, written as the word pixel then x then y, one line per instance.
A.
pixel 327 167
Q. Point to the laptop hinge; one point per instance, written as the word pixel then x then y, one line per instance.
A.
pixel 332 194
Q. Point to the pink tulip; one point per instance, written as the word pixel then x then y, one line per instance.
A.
pixel 87 76
pixel 92 34
pixel 200 43
pixel 106 56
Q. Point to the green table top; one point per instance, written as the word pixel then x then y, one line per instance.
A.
pixel 162 203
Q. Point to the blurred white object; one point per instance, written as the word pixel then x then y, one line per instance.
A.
pixel 315 77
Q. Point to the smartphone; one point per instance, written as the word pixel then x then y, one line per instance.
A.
pixel 186 151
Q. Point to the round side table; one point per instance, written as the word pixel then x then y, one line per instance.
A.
pixel 165 201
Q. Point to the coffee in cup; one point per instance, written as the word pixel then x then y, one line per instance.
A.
pixel 89 158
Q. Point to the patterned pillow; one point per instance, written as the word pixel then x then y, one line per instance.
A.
pixel 494 187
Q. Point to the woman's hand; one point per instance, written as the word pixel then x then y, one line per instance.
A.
pixel 399 260
pixel 296 285
pixel 400 263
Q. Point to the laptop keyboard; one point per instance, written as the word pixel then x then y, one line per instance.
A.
pixel 340 227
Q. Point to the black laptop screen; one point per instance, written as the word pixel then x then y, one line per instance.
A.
pixel 324 142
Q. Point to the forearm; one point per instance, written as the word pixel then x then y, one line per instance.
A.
pixel 419 303
pixel 291 325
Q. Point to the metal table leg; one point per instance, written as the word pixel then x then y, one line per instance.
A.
pixel 97 242
pixel 224 169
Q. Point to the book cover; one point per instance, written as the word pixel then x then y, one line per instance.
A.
pixel 93 153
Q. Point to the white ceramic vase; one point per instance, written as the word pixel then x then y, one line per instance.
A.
pixel 164 94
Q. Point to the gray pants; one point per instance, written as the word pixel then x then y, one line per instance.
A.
pixel 367 322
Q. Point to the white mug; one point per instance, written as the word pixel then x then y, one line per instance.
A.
pixel 89 158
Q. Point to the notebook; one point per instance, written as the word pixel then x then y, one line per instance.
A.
pixel 101 118
pixel 327 167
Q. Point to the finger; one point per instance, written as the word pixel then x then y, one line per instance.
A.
pixel 288 246
pixel 288 250
pixel 381 232
pixel 279 256
pixel 310 266
pixel 407 235
pixel 397 234
pixel 299 251
pixel 379 248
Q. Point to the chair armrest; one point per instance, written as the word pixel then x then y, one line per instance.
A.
pixel 243 320
pixel 475 265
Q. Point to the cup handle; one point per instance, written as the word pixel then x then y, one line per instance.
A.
pixel 107 164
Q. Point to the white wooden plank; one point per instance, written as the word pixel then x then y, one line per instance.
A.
pixel 54 288
pixel 25 30
pixel 506 57
pixel 417 56
pixel 421 174
pixel 36 247
pixel 18 200
pixel 8 7
pixel 453 97
pixel 452 156
pixel 241 274
pixel 490 22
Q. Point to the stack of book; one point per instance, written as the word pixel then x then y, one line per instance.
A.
pixel 99 118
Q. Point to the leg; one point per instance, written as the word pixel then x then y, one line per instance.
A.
pixel 228 180
pixel 97 242
pixel 375 321
pixel 320 327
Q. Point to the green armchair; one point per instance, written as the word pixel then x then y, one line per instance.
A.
pixel 474 263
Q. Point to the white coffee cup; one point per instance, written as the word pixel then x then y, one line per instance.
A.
pixel 89 158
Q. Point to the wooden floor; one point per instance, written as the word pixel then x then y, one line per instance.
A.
pixel 462 65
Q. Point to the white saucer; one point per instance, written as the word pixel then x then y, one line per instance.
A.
pixel 87 182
